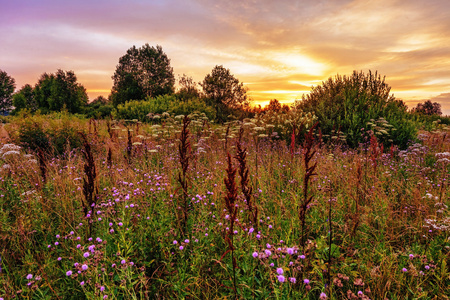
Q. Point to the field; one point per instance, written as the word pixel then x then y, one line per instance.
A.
pixel 185 209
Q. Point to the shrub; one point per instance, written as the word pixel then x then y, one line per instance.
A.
pixel 140 109
pixel 348 103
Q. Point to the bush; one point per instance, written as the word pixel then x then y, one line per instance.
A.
pixel 140 109
pixel 350 104
pixel 52 137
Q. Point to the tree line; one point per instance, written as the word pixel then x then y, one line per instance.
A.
pixel 142 73
pixel 145 74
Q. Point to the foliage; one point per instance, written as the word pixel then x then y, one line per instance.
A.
pixel 142 72
pixel 347 103
pixel 141 109
pixel 188 88
pixel 53 92
pixel 51 136
pixel 428 108
pixel 25 99
pixel 7 86
pixel 99 108
pixel 224 92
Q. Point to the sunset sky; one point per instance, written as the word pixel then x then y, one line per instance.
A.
pixel 279 49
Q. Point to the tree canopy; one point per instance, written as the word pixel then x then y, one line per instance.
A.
pixel 428 108
pixel 7 86
pixel 24 99
pixel 142 72
pixel 224 92
pixel 56 91
pixel 350 104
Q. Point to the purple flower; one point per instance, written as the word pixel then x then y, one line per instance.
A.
pixel 181 247
pixel 86 254
pixel 56 243
pixel 281 278
pixel 323 296
pixel 57 236
pixel 290 251
pixel 255 254
pixel 251 230
pixel 427 267
pixel 82 283
pixel 404 270
pixel 105 297
pixel 411 256
pixel 69 273
pixel 175 242
pixel 84 267
pixel 360 294
pixel 306 281
pixel 120 224
pixel 59 258
pixel 186 241
pixel 292 279
pixel 30 276
pixel 102 288
pixel 280 271
pixel 272 264
pixel 123 261
pixel 302 256
pixel 268 253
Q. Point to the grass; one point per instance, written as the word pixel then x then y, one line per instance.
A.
pixel 376 225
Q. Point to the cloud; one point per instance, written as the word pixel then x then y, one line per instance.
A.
pixel 279 48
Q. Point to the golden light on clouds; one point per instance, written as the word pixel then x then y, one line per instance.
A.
pixel 279 49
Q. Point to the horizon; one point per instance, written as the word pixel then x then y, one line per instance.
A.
pixel 279 50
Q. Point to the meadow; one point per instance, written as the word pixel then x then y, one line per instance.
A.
pixel 181 208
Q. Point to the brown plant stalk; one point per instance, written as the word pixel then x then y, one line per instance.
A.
pixel 184 152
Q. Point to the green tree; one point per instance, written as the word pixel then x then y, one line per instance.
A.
pixel 24 99
pixel 350 104
pixel 7 86
pixel 224 92
pixel 56 91
pixel 140 73
pixel 187 88
pixel 428 108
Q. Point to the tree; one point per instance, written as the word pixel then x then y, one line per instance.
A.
pixel 428 108
pixel 349 104
pixel 56 91
pixel 188 88
pixel 141 73
pixel 274 105
pixel 224 92
pixel 7 86
pixel 24 99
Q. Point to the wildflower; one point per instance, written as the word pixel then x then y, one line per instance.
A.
pixel 427 267
pixel 105 297
pixel 292 279
pixel 255 254
pixel 57 236
pixel 306 281
pixel 84 267
pixel 404 270
pixel 280 271
pixel 175 242
pixel 123 261
pixel 86 254
pixel 323 296
pixel 69 273
pixel 272 264
pixel 30 276
pixel 251 230
pixel 411 256
pixel 82 283
pixel 186 241
pixel 360 294
pixel 59 258
pixel 102 288
pixel 281 278
pixel 268 252
pixel 181 247
pixel 290 251
pixel 302 256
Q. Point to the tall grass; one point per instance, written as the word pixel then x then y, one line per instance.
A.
pixel 378 223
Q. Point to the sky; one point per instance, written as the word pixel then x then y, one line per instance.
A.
pixel 278 49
